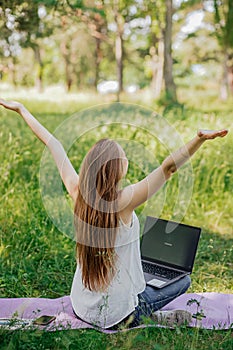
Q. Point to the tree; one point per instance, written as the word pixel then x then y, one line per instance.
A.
pixel 170 88
pixel 223 26
pixel 97 26
pixel 78 51
pixel 119 14
pixel 9 41
pixel 156 11
pixel 220 18
pixel 29 21
pixel 117 11
pixel 160 43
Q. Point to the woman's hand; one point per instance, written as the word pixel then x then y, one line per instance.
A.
pixel 67 171
pixel 211 134
pixel 12 105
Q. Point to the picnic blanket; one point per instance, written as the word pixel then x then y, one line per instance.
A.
pixel 209 310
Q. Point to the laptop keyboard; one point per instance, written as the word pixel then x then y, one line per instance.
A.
pixel 160 271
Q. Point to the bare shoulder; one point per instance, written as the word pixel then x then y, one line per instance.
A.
pixel 125 198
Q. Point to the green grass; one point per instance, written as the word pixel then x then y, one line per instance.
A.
pixel 149 339
pixel 37 260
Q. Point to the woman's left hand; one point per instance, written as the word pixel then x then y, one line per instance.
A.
pixel 211 134
pixel 12 105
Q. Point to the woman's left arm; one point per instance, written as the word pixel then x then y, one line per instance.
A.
pixel 66 170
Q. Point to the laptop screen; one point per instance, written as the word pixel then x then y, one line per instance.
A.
pixel 170 243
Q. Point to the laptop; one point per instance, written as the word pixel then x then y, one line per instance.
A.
pixel 168 250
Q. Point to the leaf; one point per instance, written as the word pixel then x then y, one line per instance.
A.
pixel 192 301
pixel 199 315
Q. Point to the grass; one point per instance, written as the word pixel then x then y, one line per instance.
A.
pixel 37 260
pixel 149 338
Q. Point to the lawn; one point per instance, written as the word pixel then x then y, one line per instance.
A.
pixel 36 250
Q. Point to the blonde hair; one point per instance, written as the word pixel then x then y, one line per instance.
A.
pixel 96 214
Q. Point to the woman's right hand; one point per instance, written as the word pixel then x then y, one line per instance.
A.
pixel 12 105
pixel 211 134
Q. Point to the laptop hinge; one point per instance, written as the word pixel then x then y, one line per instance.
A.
pixel 169 266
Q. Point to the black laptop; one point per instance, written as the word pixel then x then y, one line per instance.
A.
pixel 168 250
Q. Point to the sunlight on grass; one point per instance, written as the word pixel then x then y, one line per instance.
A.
pixel 38 260
pixel 22 210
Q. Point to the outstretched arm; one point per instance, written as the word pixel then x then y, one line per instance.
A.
pixel 134 195
pixel 66 170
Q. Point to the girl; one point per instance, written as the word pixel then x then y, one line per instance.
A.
pixel 108 286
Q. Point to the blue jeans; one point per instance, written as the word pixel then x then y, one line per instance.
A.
pixel 152 299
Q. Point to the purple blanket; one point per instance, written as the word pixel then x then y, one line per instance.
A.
pixel 209 310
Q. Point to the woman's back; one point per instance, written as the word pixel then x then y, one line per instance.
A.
pixel 105 309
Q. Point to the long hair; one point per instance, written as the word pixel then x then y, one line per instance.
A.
pixel 96 216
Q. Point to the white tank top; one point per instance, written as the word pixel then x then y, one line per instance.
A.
pixel 105 309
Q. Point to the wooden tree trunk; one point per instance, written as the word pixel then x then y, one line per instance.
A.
pixel 157 69
pixel 98 57
pixel 227 76
pixel 170 86
pixel 40 70
pixel 119 58
pixel 119 50
pixel 12 69
pixel 159 80
pixel 69 80
pixel 119 62
pixel 68 74
pixel 230 72
pixel 224 82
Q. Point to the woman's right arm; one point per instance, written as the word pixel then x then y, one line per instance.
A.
pixel 66 170
pixel 134 195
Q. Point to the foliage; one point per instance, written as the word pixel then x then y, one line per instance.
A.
pixel 223 21
pixel 75 40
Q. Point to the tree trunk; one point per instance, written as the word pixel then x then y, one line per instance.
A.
pixel 170 86
pixel 81 73
pixel 227 76
pixel 119 48
pixel 224 82
pixel 159 80
pixel 66 55
pixel 98 57
pixel 157 69
pixel 40 70
pixel 230 71
pixel 119 60
pixel 12 69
